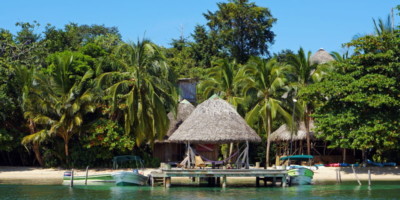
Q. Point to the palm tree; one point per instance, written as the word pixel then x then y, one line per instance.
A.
pixel 222 80
pixel 383 27
pixel 24 78
pixel 268 80
pixel 305 73
pixel 142 88
pixel 61 101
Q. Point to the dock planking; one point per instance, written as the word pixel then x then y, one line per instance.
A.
pixel 259 174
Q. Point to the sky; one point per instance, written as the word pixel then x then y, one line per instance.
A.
pixel 311 24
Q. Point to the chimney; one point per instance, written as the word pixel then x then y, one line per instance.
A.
pixel 187 89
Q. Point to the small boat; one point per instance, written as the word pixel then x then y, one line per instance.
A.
pixel 299 175
pixel 124 178
pixel 95 178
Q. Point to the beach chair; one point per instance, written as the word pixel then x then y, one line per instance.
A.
pixel 199 162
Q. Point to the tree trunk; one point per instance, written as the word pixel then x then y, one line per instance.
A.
pixel 38 156
pixel 66 149
pixel 268 139
pixel 36 145
pixel 307 125
pixel 344 155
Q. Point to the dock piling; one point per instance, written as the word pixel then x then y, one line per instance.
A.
pixel 87 173
pixel 369 177
pixel 72 178
pixel 167 182
pixel 284 181
pixel 355 174
pixel 224 182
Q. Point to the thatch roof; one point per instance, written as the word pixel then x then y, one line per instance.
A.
pixel 185 108
pixel 321 57
pixel 283 133
pixel 214 121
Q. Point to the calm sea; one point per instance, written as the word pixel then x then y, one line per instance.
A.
pixel 346 190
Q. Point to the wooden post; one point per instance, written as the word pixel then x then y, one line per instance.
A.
pixel 164 181
pixel 284 178
pixel 167 182
pixel 337 177
pixel 247 155
pixel 369 177
pixel 151 181
pixel 224 182
pixel 258 181
pixel 72 178
pixel 340 176
pixel 274 181
pixel 87 173
pixel 355 174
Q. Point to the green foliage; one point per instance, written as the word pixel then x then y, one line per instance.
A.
pixel 108 135
pixel 6 140
pixel 80 64
pixel 359 104
pixel 27 33
pixel 73 36
pixel 243 28
pixel 268 80
pixel 206 47
pixel 61 102
pixel 141 87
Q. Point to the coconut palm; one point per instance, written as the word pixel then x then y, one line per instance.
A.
pixel 222 81
pixel 61 102
pixel 305 73
pixel 24 79
pixel 268 80
pixel 141 86
pixel 383 27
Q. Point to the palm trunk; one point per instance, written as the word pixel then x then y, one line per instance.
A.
pixel 66 149
pixel 307 125
pixel 36 145
pixel 38 156
pixel 268 139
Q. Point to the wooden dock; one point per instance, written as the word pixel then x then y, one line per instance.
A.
pixel 215 175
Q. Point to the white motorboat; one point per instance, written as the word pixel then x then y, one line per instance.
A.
pixel 129 178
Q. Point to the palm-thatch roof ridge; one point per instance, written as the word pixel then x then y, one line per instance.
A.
pixel 321 57
pixel 214 121
pixel 185 108
pixel 283 133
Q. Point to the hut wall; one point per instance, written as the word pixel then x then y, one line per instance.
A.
pixel 169 152
pixel 210 151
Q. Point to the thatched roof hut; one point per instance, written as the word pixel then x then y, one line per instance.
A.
pixel 321 57
pixel 214 121
pixel 185 108
pixel 283 133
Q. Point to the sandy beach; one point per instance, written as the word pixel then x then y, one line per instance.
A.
pixel 30 175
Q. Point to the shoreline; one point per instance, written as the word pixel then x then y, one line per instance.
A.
pixel 31 175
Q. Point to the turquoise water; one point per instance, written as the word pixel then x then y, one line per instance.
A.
pixel 380 190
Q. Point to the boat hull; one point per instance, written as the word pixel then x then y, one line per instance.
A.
pixel 129 178
pixel 96 178
pixel 300 176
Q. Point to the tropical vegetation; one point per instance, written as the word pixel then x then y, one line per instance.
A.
pixel 79 95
